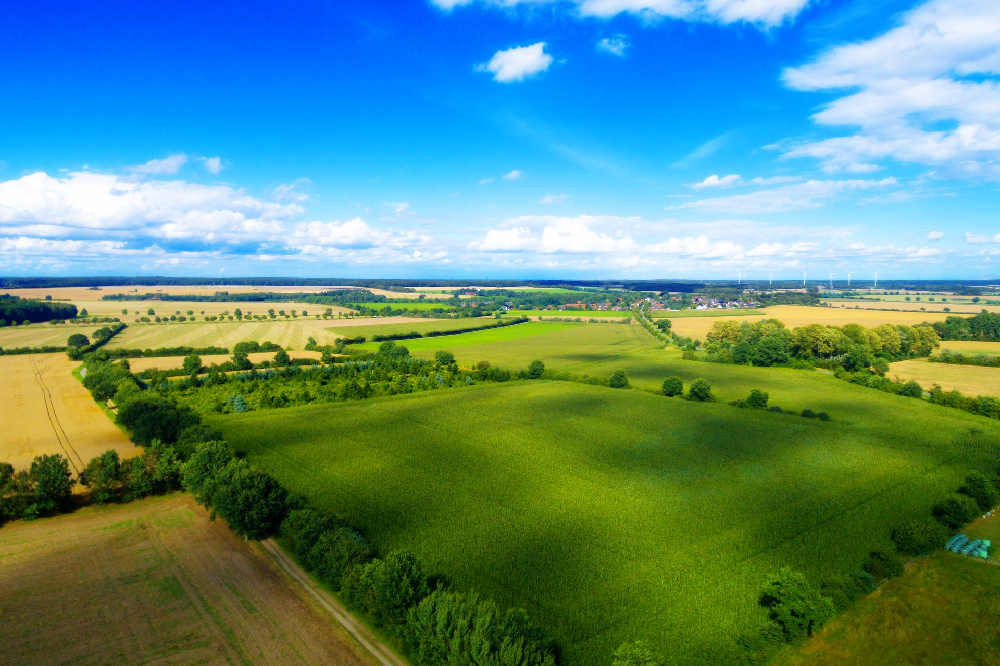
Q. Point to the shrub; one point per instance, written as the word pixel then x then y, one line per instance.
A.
pixel 980 488
pixel 700 390
pixel 794 605
pixel 918 537
pixel 281 358
pixel 103 476
pixel 444 357
pixel 956 511
pixel 808 413
pixel 618 380
pixel 149 417
pixel 757 399
pixel 673 386
pixel 884 565
pixel 335 552
pixel 911 389
pixel 823 416
pixel 536 368
pixel 633 654
pixel 78 340
pixel 51 483
pixel 386 589
pixel 199 473
pixel 844 590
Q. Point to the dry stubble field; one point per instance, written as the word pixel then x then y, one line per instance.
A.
pixel 969 379
pixel 153 582
pixel 46 410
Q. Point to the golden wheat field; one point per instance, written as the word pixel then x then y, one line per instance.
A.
pixel 38 335
pixel 175 362
pixel 48 411
pixel 969 347
pixel 956 307
pixel 969 379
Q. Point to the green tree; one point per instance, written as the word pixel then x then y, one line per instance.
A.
pixel 700 390
pixel 51 482
pixel 673 386
pixel 911 389
pixel 239 314
pixel 884 565
pixel 281 358
pixel 880 366
pixel 443 357
pixel 103 476
pixel 618 380
pixel 757 399
pixel 199 473
pixel 980 488
pixel 336 551
pixel 634 654
pixel 956 511
pixel 77 340
pixel 241 360
pixel 918 537
pixel 150 312
pixel 250 500
pixel 138 478
pixel 152 417
pixel 535 369
pixel 386 589
pixel 771 349
pixel 192 364
pixel 794 605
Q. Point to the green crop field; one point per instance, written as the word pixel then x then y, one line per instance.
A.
pixel 582 314
pixel 406 327
pixel 491 337
pixel 291 334
pixel 614 515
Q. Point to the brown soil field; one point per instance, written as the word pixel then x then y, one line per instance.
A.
pixel 794 316
pixel 969 379
pixel 154 582
pixel 46 410
pixel 174 362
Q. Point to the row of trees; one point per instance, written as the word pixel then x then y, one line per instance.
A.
pixel 43 489
pixel 984 327
pixel 15 309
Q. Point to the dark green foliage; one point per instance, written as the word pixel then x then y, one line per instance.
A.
pixel 281 358
pixel 535 369
pixel 700 390
pixel 14 308
pixel 618 380
pixel 883 565
pixel 770 350
pixel 103 476
pixel 335 552
pixel 192 436
pixel 984 326
pixel 634 654
pixel 443 357
pixel 137 478
pixel 757 399
pixel 199 473
pixel 51 482
pixel 956 511
pixel 664 324
pixel 250 500
pixel 150 417
pixel 860 357
pixel 911 389
pixel 450 628
pixel 386 589
pixel 673 386
pixel 77 340
pixel 797 608
pixel 845 590
pixel 918 537
pixel 192 364
pixel 808 413
pixel 104 380
pixel 979 487
pixel 880 366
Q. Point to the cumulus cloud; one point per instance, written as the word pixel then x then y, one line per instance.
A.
pixel 166 166
pixel 981 239
pixel 923 92
pixel 616 45
pixel 517 63
pixel 213 165
pixel 935 235
pixel 715 181
pixel 799 196
pixel 513 175
pixel 552 199
pixel 765 13
pixel 506 240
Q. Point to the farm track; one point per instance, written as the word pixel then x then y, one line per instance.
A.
pixel 377 648
pixel 50 412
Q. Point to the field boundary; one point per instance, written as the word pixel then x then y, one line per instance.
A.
pixel 385 655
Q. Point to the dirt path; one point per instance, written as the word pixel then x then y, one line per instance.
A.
pixel 361 634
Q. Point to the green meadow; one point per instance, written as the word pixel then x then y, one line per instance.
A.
pixel 493 336
pixel 616 515
pixel 406 327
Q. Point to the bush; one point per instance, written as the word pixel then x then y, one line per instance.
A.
pixel 633 654
pixel 335 552
pixel 618 380
pixel 536 368
pixel 103 476
pixel 980 488
pixel 794 605
pixel 700 390
pixel 883 565
pixel 78 340
pixel 918 537
pixel 809 414
pixel 150 417
pixel 673 386
pixel 444 357
pixel 199 473
pixel 757 399
pixel 281 358
pixel 51 484
pixel 845 590
pixel 250 500
pixel 386 589
pixel 911 389
pixel 956 511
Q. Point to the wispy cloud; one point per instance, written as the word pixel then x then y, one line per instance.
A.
pixel 799 196
pixel 513 175
pixel 166 166
pixel 715 181
pixel 616 45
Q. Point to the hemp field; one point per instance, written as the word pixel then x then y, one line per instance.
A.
pixel 614 515
pixel 153 582
pixel 48 411
pixel 969 379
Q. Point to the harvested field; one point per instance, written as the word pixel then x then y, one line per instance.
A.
pixel 154 582
pixel 794 316
pixel 289 334
pixel 48 411
pixel 970 348
pixel 969 379
pixel 174 362
pixel 42 334
pixel 955 307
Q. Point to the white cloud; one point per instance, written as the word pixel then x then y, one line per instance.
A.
pixel 517 63
pixel 715 181
pixel 616 45
pixel 935 235
pixel 551 199
pixel 765 13
pixel 506 240
pixel 166 166
pixel 923 93
pixel 981 239
pixel 799 196
pixel 700 247
pixel 775 180
pixel 213 165
pixel 513 175
pixel 292 191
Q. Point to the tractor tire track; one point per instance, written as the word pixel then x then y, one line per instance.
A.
pixel 50 412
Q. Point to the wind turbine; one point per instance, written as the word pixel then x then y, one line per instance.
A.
pixel 831 281
pixel 876 280
pixel 848 279
pixel 803 278
pixel 770 277
pixel 739 277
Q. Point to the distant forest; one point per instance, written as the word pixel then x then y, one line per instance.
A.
pixel 15 309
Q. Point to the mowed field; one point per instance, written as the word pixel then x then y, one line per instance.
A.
pixel 207 360
pixel 492 336
pixel 616 515
pixel 898 303
pixel 292 334
pixel 46 410
pixel 153 582
pixel 971 348
pixel 794 316
pixel 944 610
pixel 969 379
pixel 39 335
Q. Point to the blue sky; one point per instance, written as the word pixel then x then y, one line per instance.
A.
pixel 495 138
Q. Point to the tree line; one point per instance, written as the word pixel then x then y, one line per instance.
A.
pixel 15 310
